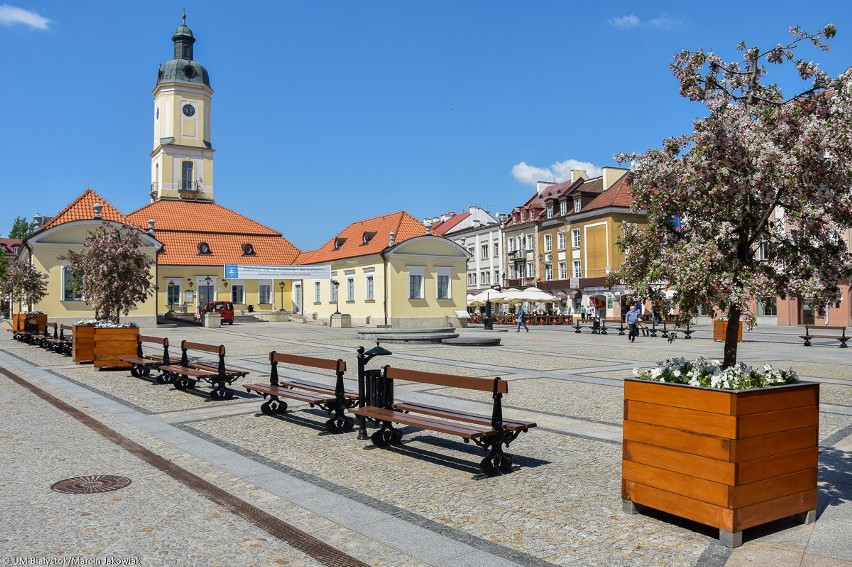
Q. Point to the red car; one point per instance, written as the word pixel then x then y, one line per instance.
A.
pixel 224 308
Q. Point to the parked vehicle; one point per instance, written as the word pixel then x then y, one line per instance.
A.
pixel 224 308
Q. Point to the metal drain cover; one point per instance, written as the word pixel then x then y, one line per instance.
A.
pixel 91 484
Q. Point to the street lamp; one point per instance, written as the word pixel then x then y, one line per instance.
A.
pixel 281 285
pixel 336 284
pixel 171 291
pixel 489 321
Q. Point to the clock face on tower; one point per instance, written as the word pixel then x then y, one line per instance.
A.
pixel 188 110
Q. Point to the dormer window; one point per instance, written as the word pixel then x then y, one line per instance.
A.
pixel 578 204
pixel 248 249
pixel 367 237
pixel 16 248
pixel 338 242
pixel 204 248
pixel 523 216
pixel 550 210
pixel 563 208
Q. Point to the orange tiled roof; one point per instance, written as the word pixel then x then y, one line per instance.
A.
pixel 618 195
pixel 81 209
pixel 443 228
pixel 182 225
pixel 349 243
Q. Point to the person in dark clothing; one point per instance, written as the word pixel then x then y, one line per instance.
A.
pixel 632 319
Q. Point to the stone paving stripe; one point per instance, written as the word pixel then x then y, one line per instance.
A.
pixel 298 539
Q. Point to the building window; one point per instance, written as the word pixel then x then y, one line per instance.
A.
pixel 550 210
pixel 577 271
pixel 350 289
pixel 523 216
pixel 530 272
pixel 415 283
pixel 529 243
pixel 264 293
pixel 563 271
pixel 513 274
pixel 186 175
pixel 548 272
pixel 575 238
pixel 238 293
pixel 548 243
pixel 497 277
pixel 68 291
pixel 560 240
pixel 563 208
pixel 332 291
pixel 496 250
pixel 483 252
pixel 485 278
pixel 173 293
pixel 511 242
pixel 767 306
pixel 578 204
pixel 369 286
pixel 317 293
pixel 443 279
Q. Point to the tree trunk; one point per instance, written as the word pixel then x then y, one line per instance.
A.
pixel 731 337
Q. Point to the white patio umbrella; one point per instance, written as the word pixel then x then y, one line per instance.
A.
pixel 531 294
pixel 489 294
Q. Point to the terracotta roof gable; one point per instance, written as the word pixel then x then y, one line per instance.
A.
pixel 81 209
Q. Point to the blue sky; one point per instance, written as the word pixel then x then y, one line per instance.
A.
pixel 327 112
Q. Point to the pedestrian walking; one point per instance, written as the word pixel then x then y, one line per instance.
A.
pixel 583 313
pixel 522 320
pixel 632 324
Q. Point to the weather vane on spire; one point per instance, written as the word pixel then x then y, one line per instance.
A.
pixel 184 15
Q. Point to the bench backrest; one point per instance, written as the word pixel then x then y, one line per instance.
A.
pixel 48 327
pixel 218 349
pixel 495 385
pixel 338 365
pixel 157 341
pixel 831 327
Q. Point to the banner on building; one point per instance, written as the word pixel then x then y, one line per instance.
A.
pixel 240 272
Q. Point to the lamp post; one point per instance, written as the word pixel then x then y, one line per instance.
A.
pixel 281 285
pixel 171 292
pixel 336 284
pixel 489 321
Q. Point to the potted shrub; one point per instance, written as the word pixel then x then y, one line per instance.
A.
pixel 720 330
pixel 23 284
pixel 731 448
pixel 113 273
pixel 715 239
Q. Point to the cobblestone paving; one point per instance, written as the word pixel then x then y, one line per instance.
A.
pixel 562 505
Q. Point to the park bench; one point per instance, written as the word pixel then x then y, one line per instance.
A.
pixel 30 329
pixel 491 433
pixel 40 339
pixel 141 364
pixel 808 336
pixel 186 374
pixel 335 400
pixel 60 343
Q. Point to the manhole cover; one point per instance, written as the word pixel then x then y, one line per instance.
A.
pixel 91 484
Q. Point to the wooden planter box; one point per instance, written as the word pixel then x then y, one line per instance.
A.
pixel 720 329
pixel 83 343
pixel 19 321
pixel 728 459
pixel 109 344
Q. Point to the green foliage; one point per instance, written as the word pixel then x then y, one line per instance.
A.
pixel 21 228
pixel 23 283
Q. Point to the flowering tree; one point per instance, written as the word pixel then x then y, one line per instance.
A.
pixel 754 201
pixel 22 283
pixel 112 272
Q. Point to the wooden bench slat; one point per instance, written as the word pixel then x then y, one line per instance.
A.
pixel 188 370
pixel 464 431
pixel 299 360
pixel 310 386
pixel 312 398
pixel 218 349
pixel 449 380
pixel 509 424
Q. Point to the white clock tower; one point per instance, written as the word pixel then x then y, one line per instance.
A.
pixel 182 159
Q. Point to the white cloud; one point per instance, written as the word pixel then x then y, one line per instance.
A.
pixel 11 15
pixel 663 21
pixel 624 22
pixel 559 171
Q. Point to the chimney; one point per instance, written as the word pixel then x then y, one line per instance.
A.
pixel 151 227
pixel 541 185
pixel 392 238
pixel 611 175
pixel 477 223
pixel 428 224
pixel 38 221
pixel 578 174
pixel 97 209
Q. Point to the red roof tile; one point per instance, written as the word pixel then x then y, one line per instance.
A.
pixel 618 195
pixel 442 228
pixel 349 243
pixel 81 209
pixel 182 225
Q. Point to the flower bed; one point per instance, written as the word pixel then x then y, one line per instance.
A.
pixel 729 458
